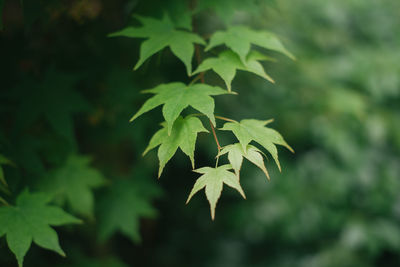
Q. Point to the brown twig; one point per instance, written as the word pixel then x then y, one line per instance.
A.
pixel 215 137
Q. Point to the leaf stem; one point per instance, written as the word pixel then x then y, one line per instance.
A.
pixel 224 119
pixel 195 79
pixel 201 77
pixel 215 137
pixel 216 116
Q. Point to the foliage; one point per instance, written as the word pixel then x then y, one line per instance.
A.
pixel 68 93
pixel 227 62
pixel 236 153
pixel 29 221
pixel 121 208
pixel 175 97
pixel 212 180
pixel 162 33
pixel 73 183
pixel 183 135
pixel 68 179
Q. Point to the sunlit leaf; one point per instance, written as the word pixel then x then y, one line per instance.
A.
pixel 183 135
pixel 226 64
pixel 176 96
pixel 160 34
pixel 255 130
pixel 236 154
pixel 212 180
pixel 240 39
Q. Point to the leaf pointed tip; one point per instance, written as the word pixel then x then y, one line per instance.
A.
pixel 267 174
pixel 242 193
pixel 159 172
pixel 133 118
pixel 138 64
pixel 192 161
pixel 188 199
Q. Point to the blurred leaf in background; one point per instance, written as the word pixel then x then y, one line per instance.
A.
pixel 67 89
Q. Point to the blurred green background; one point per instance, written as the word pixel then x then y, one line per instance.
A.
pixel 67 89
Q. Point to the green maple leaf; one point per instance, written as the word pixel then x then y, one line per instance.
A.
pixel 30 220
pixel 255 130
pixel 226 64
pixel 240 39
pixel 161 34
pixel 73 183
pixel 177 96
pixel 213 180
pixel 53 99
pixel 236 154
pixel 122 207
pixel 183 135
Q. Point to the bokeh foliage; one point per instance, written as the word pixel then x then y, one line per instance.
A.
pixel 68 92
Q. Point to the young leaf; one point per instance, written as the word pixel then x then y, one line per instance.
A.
pixel 240 38
pixel 121 208
pixel 160 34
pixel 213 180
pixel 183 134
pixel 177 96
pixel 236 154
pixel 255 130
pixel 73 183
pixel 226 64
pixel 30 220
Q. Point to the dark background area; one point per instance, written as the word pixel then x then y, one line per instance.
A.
pixel 336 202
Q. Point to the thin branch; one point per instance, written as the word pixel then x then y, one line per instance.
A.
pixel 216 116
pixel 215 137
pixel 195 79
pixel 224 119
pixel 201 76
